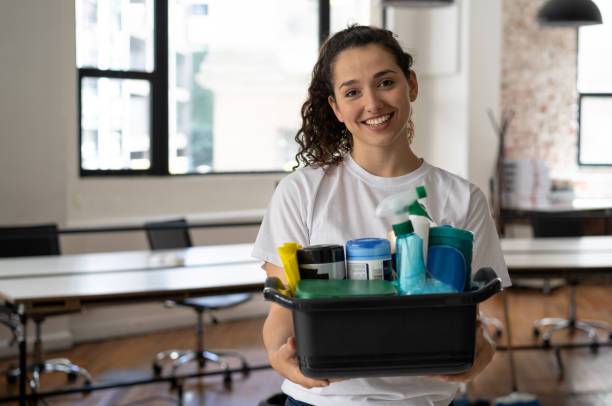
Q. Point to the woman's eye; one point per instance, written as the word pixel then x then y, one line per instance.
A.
pixel 351 93
pixel 386 83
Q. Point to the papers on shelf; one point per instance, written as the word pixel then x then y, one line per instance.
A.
pixel 525 183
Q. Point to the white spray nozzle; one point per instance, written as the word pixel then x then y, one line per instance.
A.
pixel 396 208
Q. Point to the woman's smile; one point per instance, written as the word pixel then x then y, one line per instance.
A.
pixel 379 122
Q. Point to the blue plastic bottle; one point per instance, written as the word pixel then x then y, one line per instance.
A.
pixel 409 253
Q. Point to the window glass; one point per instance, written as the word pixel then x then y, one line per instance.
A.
pixel 115 123
pixel 114 34
pixel 596 130
pixel 595 88
pixel 595 53
pixel 238 75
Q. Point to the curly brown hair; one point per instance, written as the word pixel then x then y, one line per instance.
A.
pixel 322 138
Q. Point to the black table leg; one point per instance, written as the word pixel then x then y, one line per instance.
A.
pixel 23 367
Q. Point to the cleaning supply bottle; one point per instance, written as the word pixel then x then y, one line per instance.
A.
pixel 404 206
pixel 409 253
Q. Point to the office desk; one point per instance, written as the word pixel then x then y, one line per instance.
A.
pixel 53 284
pixel 58 284
pixel 122 260
pixel 571 258
pixel 595 214
pixel 557 245
pixel 564 257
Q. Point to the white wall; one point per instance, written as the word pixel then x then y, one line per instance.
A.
pixel 39 143
pixel 484 66
pixel 459 79
pixel 37 96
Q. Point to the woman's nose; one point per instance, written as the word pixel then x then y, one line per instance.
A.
pixel 373 102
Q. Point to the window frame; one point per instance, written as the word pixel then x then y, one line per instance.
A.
pixel 158 80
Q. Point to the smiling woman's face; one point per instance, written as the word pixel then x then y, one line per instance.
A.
pixel 372 96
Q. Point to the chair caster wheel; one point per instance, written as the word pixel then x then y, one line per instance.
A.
pixel 536 332
pixel 72 377
pixel 546 343
pixel 227 382
pixel 202 363
pixel 157 369
pixel 594 347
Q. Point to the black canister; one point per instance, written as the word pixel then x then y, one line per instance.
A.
pixel 321 262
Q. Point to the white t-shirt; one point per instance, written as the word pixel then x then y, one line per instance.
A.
pixel 336 204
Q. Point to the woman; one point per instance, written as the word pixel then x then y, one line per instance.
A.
pixel 355 147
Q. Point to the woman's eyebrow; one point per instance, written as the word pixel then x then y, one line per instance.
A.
pixel 383 73
pixel 375 76
pixel 347 83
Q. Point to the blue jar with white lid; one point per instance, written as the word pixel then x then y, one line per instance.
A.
pixel 368 258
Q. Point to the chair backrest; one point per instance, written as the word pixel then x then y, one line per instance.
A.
pixel 168 234
pixel 560 224
pixel 24 241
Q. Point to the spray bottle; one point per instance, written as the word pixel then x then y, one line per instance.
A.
pixel 403 206
pixel 410 244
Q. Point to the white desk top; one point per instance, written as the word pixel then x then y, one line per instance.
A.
pixel 123 260
pixel 575 205
pixel 89 287
pixel 559 257
pixel 562 244
pixel 559 260
pixel 73 280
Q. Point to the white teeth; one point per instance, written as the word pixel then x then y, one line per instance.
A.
pixel 378 120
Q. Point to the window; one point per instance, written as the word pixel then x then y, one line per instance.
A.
pixel 595 90
pixel 194 86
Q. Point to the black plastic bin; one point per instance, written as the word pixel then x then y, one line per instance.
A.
pixel 386 335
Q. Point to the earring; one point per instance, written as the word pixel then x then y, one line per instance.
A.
pixel 410 129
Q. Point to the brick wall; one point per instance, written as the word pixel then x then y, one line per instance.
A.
pixel 538 82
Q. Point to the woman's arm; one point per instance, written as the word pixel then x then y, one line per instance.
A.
pixel 279 340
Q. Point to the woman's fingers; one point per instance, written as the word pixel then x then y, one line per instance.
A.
pixel 287 355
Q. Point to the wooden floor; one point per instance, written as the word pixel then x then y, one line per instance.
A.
pixel 587 381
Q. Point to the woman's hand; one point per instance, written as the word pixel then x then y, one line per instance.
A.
pixel 485 349
pixel 285 362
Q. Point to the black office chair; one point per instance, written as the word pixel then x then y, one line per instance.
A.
pixel 561 224
pixel 175 234
pixel 34 241
pixel 9 319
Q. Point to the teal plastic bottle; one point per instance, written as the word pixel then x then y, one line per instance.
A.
pixel 409 254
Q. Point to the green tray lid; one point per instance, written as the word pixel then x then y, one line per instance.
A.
pixel 318 288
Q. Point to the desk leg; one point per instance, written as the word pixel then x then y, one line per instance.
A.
pixel 504 295
pixel 23 367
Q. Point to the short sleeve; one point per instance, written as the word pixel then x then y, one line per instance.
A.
pixel 285 221
pixel 487 251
